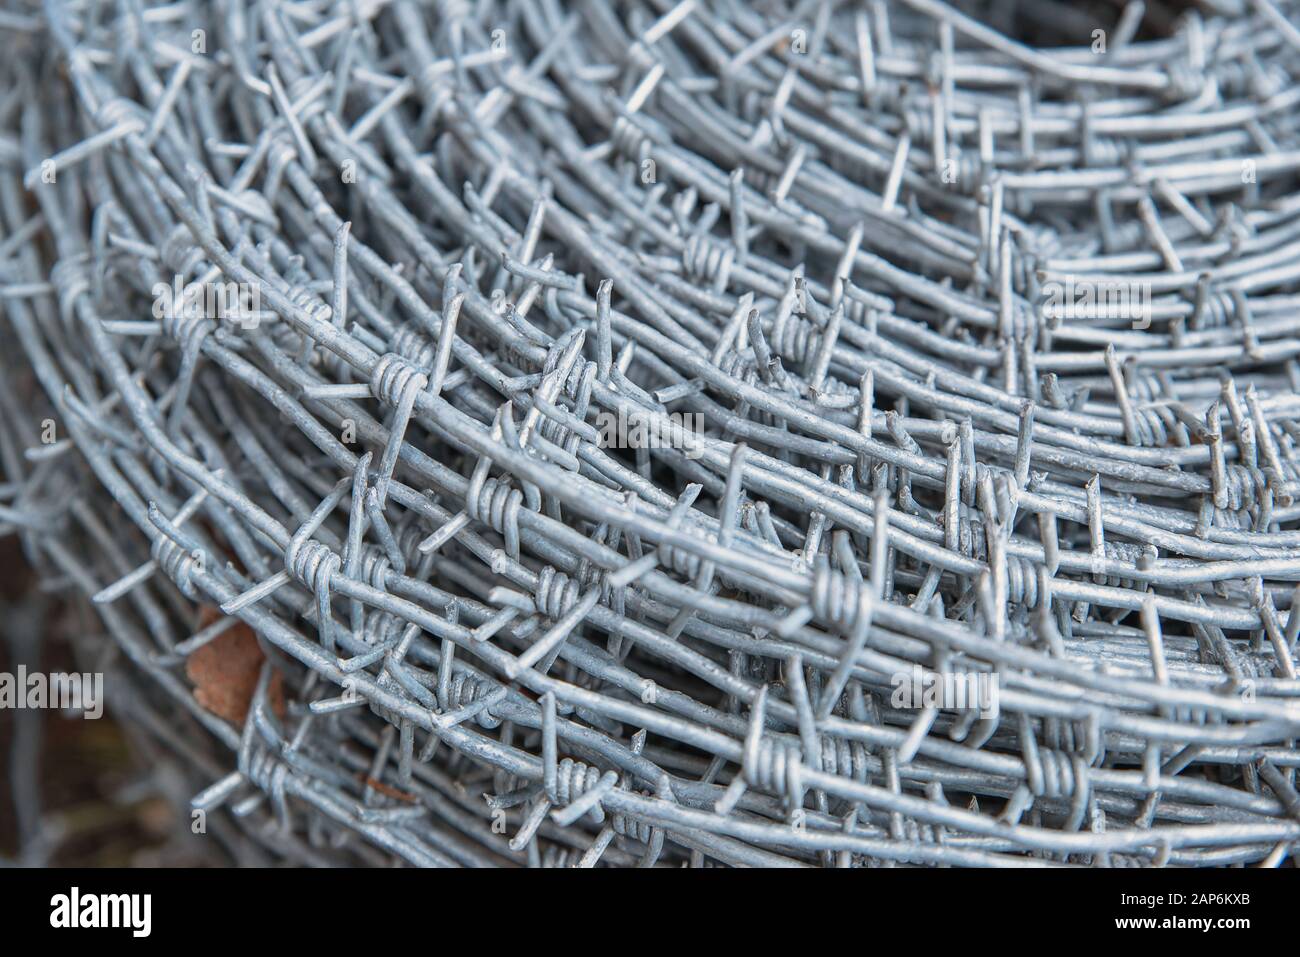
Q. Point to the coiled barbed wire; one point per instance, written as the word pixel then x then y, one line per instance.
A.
pixel 684 432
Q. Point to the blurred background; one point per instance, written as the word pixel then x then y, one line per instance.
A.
pixel 77 792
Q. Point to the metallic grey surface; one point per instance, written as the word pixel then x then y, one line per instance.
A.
pixel 475 229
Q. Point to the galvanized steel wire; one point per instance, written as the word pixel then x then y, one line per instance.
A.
pixel 474 232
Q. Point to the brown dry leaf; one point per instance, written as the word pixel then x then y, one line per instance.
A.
pixel 225 670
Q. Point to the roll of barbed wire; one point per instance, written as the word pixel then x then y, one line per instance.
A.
pixel 653 433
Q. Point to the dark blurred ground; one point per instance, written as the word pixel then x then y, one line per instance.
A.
pixel 74 792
